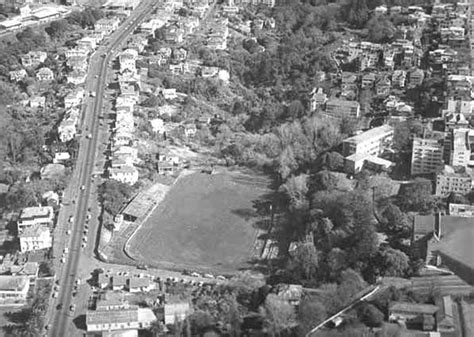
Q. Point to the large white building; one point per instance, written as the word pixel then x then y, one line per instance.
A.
pixel 33 216
pixel 35 238
pixel 125 174
pixel 427 154
pixel 128 319
pixel 371 142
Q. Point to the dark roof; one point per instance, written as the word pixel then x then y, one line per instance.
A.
pixel 423 224
pixel 422 309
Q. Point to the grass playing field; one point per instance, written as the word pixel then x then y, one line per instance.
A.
pixel 204 223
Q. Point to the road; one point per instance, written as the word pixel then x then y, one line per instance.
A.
pixel 96 82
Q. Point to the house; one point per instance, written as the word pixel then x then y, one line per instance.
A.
pixel 356 162
pixel 78 63
pixel 38 102
pixel 87 42
pixel 74 98
pixel 77 77
pixel 399 78
pixel 139 284
pixel 290 293
pixel 45 74
pixel 14 289
pixel 150 26
pixel 165 52
pixel 107 26
pixel 342 107
pixel 138 43
pixel 174 34
pixel 416 78
pixel 169 93
pixel 51 198
pixel 119 282
pixel 17 75
pixel 383 86
pixel 368 81
pixel 190 130
pixel 124 174
pixel 180 54
pixel 32 216
pixel 67 127
pixel 414 315
pixel 217 43
pixel 176 68
pixel 35 238
pixel 176 311
pixel 317 98
pixel 209 71
pixel 76 52
pixel 371 142
pixel 157 125
pixel 125 320
pixel 127 60
pixel 104 281
pixel 33 59
pixel 380 10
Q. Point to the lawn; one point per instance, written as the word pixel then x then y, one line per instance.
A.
pixel 204 223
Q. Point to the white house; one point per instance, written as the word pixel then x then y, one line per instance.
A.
pixel 169 93
pixel 44 74
pixel 74 98
pixel 17 75
pixel 33 58
pixel 35 238
pixel 76 77
pixel 13 289
pixel 107 26
pixel 87 43
pixel 37 102
pixel 124 174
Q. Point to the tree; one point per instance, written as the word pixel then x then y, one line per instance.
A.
pixel 201 321
pixel 156 328
pixel 396 222
pixel 416 196
pixel 370 315
pixel 393 262
pixel 310 314
pixel 113 195
pixel 358 13
pixel 305 262
pixel 296 188
pixel 280 315
pixel 57 29
pixel 380 29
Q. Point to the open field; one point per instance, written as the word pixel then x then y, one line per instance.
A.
pixel 204 223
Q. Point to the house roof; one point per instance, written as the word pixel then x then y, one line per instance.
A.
pixel 423 224
pixel 36 212
pixel 12 283
pixel 422 309
pixel 139 282
pixel 112 316
pixel 176 308
pixel 370 134
pixel 118 280
pixel 33 231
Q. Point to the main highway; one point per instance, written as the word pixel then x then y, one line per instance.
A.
pixel 81 186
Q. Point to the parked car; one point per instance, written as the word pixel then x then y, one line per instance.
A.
pixel 72 307
pixel 208 276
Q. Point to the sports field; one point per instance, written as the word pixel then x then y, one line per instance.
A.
pixel 204 223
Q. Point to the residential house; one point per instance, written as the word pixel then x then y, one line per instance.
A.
pixel 317 98
pixel 140 284
pixel 176 312
pixel 34 216
pixel 380 10
pixel 76 77
pixel 37 102
pixel 174 34
pixel 461 210
pixel 33 59
pixel 290 293
pixel 119 282
pixel 124 174
pixel 76 52
pixel 74 98
pixel 14 289
pixel 428 153
pixel 17 75
pixel 151 26
pixel 368 81
pixel 383 86
pixel 45 74
pixel 138 43
pixel 35 238
pixel 104 280
pixel 414 315
pixel 169 94
pixel 399 78
pixel 349 87
pixel 125 320
pixel 459 87
pixel 107 26
pixel 78 63
pixel 356 162
pixel 190 130
pixel 445 319
pixel 416 78
pixel 87 42
pixel 60 157
pixel 209 71
pixel 372 142
pixel 67 127
pixel 176 68
pixel 127 60
pixel 342 107
pixel 165 52
pixel 180 54
pixel 457 149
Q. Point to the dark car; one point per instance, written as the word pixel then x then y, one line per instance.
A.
pixel 59 306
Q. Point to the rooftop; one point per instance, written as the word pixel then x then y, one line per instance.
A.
pixel 377 132
pixel 36 212
pixel 34 231
pixel 342 102
pixel 422 309
pixel 112 316
pixel 12 283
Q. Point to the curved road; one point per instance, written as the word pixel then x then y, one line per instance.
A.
pixel 85 164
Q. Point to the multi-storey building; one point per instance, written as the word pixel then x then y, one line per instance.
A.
pixel 32 216
pixel 35 238
pixel 371 142
pixel 343 108
pixel 427 154
pixel 457 148
pixel 447 183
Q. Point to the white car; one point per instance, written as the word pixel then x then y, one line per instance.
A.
pixel 63 260
pixel 71 219
pixel 83 188
pixel 84 239
pixel 208 276
pixel 68 232
pixel 66 250
pixel 84 245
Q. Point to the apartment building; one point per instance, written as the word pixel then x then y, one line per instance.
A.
pixel 371 142
pixel 32 216
pixel 13 289
pixel 427 154
pixel 461 210
pixel 35 238
pixel 453 182
pixel 457 148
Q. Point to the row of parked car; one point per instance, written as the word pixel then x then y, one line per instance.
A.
pixel 210 276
